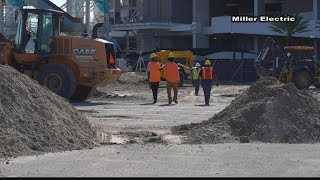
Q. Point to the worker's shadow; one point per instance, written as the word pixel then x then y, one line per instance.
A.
pixel 88 103
pixel 202 105
pixel 164 105
pixel 146 104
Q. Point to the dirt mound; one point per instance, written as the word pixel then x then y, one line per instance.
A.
pixel 268 111
pixel 35 120
pixel 130 86
pixel 132 78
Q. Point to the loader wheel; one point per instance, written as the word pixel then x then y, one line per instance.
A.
pixel 182 76
pixel 302 80
pixel 83 93
pixel 58 78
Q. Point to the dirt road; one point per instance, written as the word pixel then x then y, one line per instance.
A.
pixel 156 160
pixel 136 141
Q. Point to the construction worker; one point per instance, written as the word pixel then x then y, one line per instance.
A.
pixel 171 73
pixel 154 69
pixel 207 77
pixel 196 78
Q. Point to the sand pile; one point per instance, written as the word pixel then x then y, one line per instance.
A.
pixel 267 112
pixel 130 86
pixel 35 120
pixel 132 78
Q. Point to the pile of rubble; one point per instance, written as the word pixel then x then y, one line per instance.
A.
pixel 268 111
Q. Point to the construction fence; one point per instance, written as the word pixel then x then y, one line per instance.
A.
pixel 228 71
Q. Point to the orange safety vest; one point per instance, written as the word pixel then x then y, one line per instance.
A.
pixel 207 73
pixel 171 72
pixel 154 70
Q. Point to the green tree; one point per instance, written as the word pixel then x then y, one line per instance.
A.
pixel 290 28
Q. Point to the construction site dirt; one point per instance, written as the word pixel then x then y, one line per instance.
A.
pixel 135 139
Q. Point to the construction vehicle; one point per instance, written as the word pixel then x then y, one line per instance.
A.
pixel 184 59
pixel 291 64
pixel 72 67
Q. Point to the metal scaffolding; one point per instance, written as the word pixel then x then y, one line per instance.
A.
pixel 86 10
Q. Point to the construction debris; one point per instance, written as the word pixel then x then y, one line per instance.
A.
pixel 268 111
pixel 34 120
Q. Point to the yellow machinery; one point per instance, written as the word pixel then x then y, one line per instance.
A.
pixel 184 59
pixel 72 67
pixel 290 64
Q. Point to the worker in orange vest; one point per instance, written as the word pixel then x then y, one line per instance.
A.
pixel 154 69
pixel 207 78
pixel 171 73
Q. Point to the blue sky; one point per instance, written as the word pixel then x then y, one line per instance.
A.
pixel 59 2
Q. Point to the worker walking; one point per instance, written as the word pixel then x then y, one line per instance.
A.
pixel 196 78
pixel 207 78
pixel 171 73
pixel 154 69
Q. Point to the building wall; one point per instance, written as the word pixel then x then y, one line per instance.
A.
pixel 182 11
pixel 216 8
pixel 151 10
pixel 297 5
pixel 184 42
pixel 166 9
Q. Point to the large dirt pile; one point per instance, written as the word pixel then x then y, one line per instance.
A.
pixel 35 120
pixel 267 112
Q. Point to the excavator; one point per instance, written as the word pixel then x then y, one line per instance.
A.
pixel 294 64
pixel 71 66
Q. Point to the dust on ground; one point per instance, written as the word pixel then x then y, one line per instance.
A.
pixel 124 108
pixel 34 120
pixel 268 111
pixel 131 86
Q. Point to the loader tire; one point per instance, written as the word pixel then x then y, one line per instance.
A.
pixel 302 80
pixel 83 93
pixel 59 78
pixel 182 77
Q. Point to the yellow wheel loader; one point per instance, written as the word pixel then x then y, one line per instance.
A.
pixel 72 67
pixel 184 59
pixel 290 64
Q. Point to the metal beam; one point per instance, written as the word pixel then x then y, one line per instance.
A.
pixel 88 15
pixel 1 17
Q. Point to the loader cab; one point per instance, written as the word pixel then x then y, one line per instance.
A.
pixel 36 30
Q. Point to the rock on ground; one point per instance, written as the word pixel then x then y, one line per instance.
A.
pixel 268 111
pixel 34 120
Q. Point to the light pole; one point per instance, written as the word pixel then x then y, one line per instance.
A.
pixel 314 41
pixel 1 17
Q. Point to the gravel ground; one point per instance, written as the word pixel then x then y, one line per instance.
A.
pixel 135 141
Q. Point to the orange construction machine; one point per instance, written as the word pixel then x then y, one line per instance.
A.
pixel 72 67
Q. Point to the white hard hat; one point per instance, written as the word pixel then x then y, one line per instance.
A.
pixel 198 65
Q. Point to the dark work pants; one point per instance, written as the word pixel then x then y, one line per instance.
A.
pixel 154 86
pixel 196 86
pixel 207 86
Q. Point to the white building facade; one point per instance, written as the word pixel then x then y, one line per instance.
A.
pixel 207 23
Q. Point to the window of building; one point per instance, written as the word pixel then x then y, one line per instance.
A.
pixel 237 7
pixel 133 3
pixel 273 8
